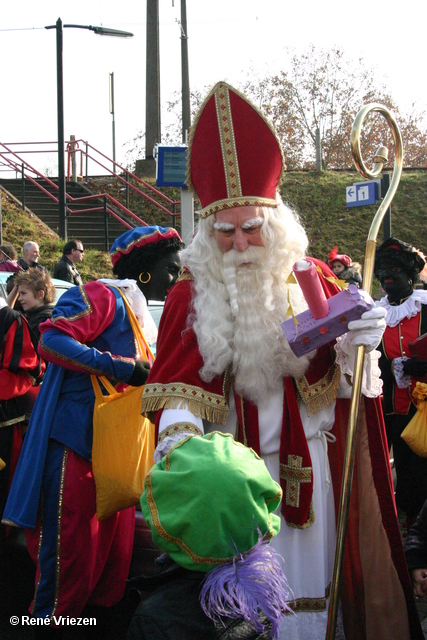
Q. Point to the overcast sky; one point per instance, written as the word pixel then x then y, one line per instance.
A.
pixel 226 39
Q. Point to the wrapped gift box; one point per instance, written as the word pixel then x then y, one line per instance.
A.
pixel 311 333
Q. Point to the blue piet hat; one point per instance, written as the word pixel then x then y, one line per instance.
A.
pixel 140 237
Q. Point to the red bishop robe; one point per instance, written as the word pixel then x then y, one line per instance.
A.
pixel 373 545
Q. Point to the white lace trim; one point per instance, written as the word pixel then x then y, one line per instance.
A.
pixel 138 304
pixel 408 309
pixel 403 381
pixel 163 447
pixel 372 384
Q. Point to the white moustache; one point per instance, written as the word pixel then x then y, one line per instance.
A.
pixel 251 255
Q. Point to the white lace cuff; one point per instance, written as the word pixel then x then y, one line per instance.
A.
pixel 175 425
pixel 372 384
pixel 403 381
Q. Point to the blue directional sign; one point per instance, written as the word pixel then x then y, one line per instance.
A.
pixel 171 165
pixel 361 194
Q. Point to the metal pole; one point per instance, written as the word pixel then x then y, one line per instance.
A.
pixel 114 124
pixel 385 183
pixel 87 160
pixel 61 142
pixel 186 115
pixel 106 224
pixel 152 86
pixel 23 186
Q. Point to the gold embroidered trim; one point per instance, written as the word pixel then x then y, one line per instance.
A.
pixel 59 530
pixel 310 520
pixel 130 245
pixel 8 423
pixel 180 427
pixel 228 142
pixel 83 367
pixel 257 201
pixel 39 546
pixel 156 519
pixel 201 403
pixel 86 312
pixel 321 394
pixel 310 604
pixel 294 474
pixel 184 275
pixel 243 201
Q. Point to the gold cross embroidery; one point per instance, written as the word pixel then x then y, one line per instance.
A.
pixel 294 474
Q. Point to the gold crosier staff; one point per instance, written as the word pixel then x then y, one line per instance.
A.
pixel 379 160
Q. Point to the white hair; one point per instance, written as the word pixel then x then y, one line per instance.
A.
pixel 237 311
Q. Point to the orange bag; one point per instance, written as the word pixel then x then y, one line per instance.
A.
pixel 123 440
pixel 415 432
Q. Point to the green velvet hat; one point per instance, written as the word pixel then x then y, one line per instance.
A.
pixel 208 500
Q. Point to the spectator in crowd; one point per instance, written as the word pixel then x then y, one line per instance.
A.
pixel 30 256
pixel 21 368
pixel 36 295
pixel 397 266
pixel 416 553
pixel 9 258
pixel 204 571
pixel 80 560
pixel 223 364
pixel 66 269
pixel 344 268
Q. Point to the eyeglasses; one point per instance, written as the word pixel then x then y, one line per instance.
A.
pixel 80 250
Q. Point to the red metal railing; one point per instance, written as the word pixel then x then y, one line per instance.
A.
pixel 10 160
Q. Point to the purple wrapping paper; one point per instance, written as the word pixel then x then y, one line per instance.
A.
pixel 310 334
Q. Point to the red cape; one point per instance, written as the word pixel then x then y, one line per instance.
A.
pixel 376 591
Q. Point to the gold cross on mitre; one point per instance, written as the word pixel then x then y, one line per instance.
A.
pixel 294 474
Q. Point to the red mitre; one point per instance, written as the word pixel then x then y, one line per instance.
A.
pixel 234 157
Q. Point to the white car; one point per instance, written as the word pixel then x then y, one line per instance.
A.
pixel 61 286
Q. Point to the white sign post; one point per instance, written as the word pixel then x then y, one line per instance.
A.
pixel 187 216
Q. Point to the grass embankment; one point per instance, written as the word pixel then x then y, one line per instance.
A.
pixel 19 227
pixel 318 198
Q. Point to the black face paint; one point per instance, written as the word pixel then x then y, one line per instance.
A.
pixel 163 276
pixel 395 282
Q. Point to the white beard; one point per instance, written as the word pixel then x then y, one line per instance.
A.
pixel 237 310
pixel 256 304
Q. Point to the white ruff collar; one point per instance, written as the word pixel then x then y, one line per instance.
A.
pixel 138 304
pixel 408 309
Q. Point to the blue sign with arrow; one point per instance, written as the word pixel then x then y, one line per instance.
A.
pixel 361 194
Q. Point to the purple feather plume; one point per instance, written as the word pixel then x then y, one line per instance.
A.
pixel 253 582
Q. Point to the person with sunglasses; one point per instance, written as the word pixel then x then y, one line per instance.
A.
pixel 66 269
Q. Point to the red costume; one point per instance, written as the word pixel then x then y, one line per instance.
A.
pixel 21 368
pixel 376 594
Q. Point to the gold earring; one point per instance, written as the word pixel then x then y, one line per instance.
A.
pixel 144 281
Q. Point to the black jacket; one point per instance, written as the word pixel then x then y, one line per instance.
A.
pixel 37 316
pixel 416 542
pixel 65 270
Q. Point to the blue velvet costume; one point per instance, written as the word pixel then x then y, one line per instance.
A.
pixel 89 333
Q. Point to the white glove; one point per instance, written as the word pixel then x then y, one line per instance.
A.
pixel 369 330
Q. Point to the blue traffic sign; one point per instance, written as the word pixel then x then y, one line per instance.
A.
pixel 361 194
pixel 171 165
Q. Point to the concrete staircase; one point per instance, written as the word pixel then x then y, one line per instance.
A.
pixel 88 227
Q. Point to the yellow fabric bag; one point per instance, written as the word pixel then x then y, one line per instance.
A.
pixel 415 432
pixel 123 440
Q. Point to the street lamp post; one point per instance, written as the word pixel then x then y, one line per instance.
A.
pixel 186 114
pixel 102 31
